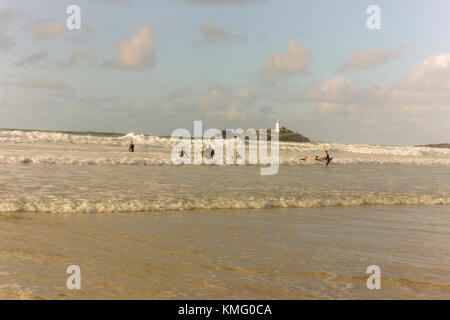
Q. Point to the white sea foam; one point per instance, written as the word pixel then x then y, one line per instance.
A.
pixel 37 147
pixel 18 136
pixel 174 204
pixel 70 173
pixel 161 160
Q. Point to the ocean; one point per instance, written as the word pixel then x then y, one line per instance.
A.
pixel 141 227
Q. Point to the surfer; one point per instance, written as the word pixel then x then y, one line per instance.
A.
pixel 182 153
pixel 131 148
pixel 306 158
pixel 327 157
pixel 209 152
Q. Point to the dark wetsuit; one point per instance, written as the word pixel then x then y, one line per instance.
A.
pixel 327 158
pixel 131 149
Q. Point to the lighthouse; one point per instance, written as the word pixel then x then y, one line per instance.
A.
pixel 277 126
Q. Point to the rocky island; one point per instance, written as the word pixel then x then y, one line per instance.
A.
pixel 289 135
pixel 284 135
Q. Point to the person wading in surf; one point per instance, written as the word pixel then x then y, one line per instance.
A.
pixel 327 157
pixel 131 148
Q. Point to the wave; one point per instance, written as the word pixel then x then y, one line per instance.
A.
pixel 19 136
pixel 176 204
pixel 44 147
pixel 164 160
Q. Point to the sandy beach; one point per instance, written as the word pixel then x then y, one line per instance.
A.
pixel 223 254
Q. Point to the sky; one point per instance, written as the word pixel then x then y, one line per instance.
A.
pixel 155 66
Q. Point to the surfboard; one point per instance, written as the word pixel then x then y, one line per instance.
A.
pixel 323 159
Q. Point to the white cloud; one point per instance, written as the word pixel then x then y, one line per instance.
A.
pixel 243 94
pixel 224 104
pixel 41 83
pixel 59 88
pixel 47 31
pixel 137 51
pixel 233 113
pixel 370 59
pixel 432 75
pixel 33 58
pixel 176 94
pixel 337 94
pixel 338 89
pixel 213 34
pixel 7 40
pixel 418 101
pixel 81 51
pixel 287 96
pixel 292 62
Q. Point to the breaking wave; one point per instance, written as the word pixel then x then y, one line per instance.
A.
pixel 43 147
pixel 174 204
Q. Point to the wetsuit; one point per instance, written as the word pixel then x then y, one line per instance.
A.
pixel 131 149
pixel 327 158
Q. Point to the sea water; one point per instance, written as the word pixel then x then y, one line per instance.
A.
pixel 141 227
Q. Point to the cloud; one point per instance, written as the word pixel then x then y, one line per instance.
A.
pixel 417 101
pixel 212 34
pixel 7 40
pixel 59 88
pixel 336 94
pixel 47 31
pixel 243 94
pixel 225 104
pixel 41 83
pixel 292 62
pixel 81 51
pixel 233 2
pixel 370 59
pixel 233 113
pixel 176 94
pixel 338 89
pixel 137 51
pixel 432 75
pixel 286 96
pixel 85 34
pixel 34 58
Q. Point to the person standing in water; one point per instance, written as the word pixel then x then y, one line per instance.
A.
pixel 327 157
pixel 131 148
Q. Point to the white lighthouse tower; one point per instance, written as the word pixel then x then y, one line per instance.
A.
pixel 277 126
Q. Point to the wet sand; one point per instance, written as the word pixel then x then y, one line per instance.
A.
pixel 318 253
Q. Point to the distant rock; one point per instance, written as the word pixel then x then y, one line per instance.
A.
pixel 289 135
pixel 437 145
pixel 285 135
